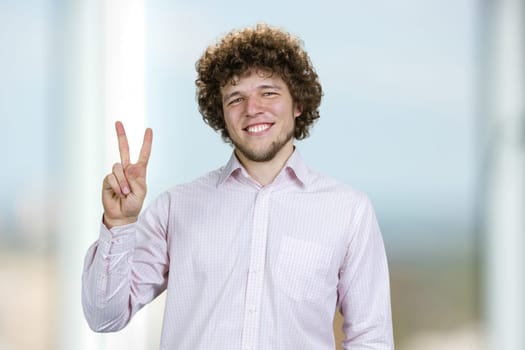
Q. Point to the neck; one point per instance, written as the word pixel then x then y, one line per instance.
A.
pixel 265 172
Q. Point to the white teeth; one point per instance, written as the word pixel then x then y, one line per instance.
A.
pixel 258 128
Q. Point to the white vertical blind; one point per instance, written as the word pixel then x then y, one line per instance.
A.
pixel 105 82
pixel 124 38
pixel 124 45
pixel 505 244
pixel 83 152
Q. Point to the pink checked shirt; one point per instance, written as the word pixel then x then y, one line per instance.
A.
pixel 247 267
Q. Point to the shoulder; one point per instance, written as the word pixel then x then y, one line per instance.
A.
pixel 183 195
pixel 315 181
pixel 205 182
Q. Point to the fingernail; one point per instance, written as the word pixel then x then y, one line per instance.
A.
pixel 125 190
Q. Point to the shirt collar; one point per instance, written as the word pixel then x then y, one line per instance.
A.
pixel 294 168
pixel 232 166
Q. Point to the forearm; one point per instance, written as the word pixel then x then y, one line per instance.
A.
pixel 106 282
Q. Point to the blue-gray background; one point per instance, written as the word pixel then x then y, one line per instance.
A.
pixel 398 120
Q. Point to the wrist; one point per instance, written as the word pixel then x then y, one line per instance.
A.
pixel 110 223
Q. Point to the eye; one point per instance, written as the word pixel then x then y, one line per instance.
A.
pixel 269 93
pixel 235 101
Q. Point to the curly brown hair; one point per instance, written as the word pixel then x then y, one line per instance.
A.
pixel 262 47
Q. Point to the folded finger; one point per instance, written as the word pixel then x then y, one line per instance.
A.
pixel 118 172
pixel 111 184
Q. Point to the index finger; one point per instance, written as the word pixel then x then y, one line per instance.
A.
pixel 145 151
pixel 123 145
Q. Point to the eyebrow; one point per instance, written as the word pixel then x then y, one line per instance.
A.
pixel 260 87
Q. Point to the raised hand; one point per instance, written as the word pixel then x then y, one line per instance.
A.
pixel 124 190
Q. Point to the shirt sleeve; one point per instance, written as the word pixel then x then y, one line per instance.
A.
pixel 364 287
pixel 126 268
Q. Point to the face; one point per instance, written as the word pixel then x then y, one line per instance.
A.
pixel 260 116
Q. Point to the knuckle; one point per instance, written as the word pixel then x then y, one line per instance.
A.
pixel 109 179
pixel 116 167
pixel 112 181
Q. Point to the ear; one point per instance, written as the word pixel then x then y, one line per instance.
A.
pixel 297 110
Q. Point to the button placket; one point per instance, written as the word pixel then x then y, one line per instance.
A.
pixel 256 271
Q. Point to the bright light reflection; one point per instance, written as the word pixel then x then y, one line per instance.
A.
pixel 124 35
pixel 124 74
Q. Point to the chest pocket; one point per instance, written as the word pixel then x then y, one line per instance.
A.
pixel 302 269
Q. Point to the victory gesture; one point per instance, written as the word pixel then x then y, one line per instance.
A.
pixel 124 190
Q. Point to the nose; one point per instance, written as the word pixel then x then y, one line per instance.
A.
pixel 254 106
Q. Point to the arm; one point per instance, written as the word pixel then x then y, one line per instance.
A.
pixel 364 291
pixel 113 282
pixel 126 269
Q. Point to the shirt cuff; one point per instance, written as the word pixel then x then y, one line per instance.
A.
pixel 118 239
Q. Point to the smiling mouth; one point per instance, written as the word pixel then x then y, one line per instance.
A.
pixel 258 128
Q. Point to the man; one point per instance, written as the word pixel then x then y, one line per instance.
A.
pixel 259 253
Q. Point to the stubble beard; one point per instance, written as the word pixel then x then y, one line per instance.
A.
pixel 263 155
